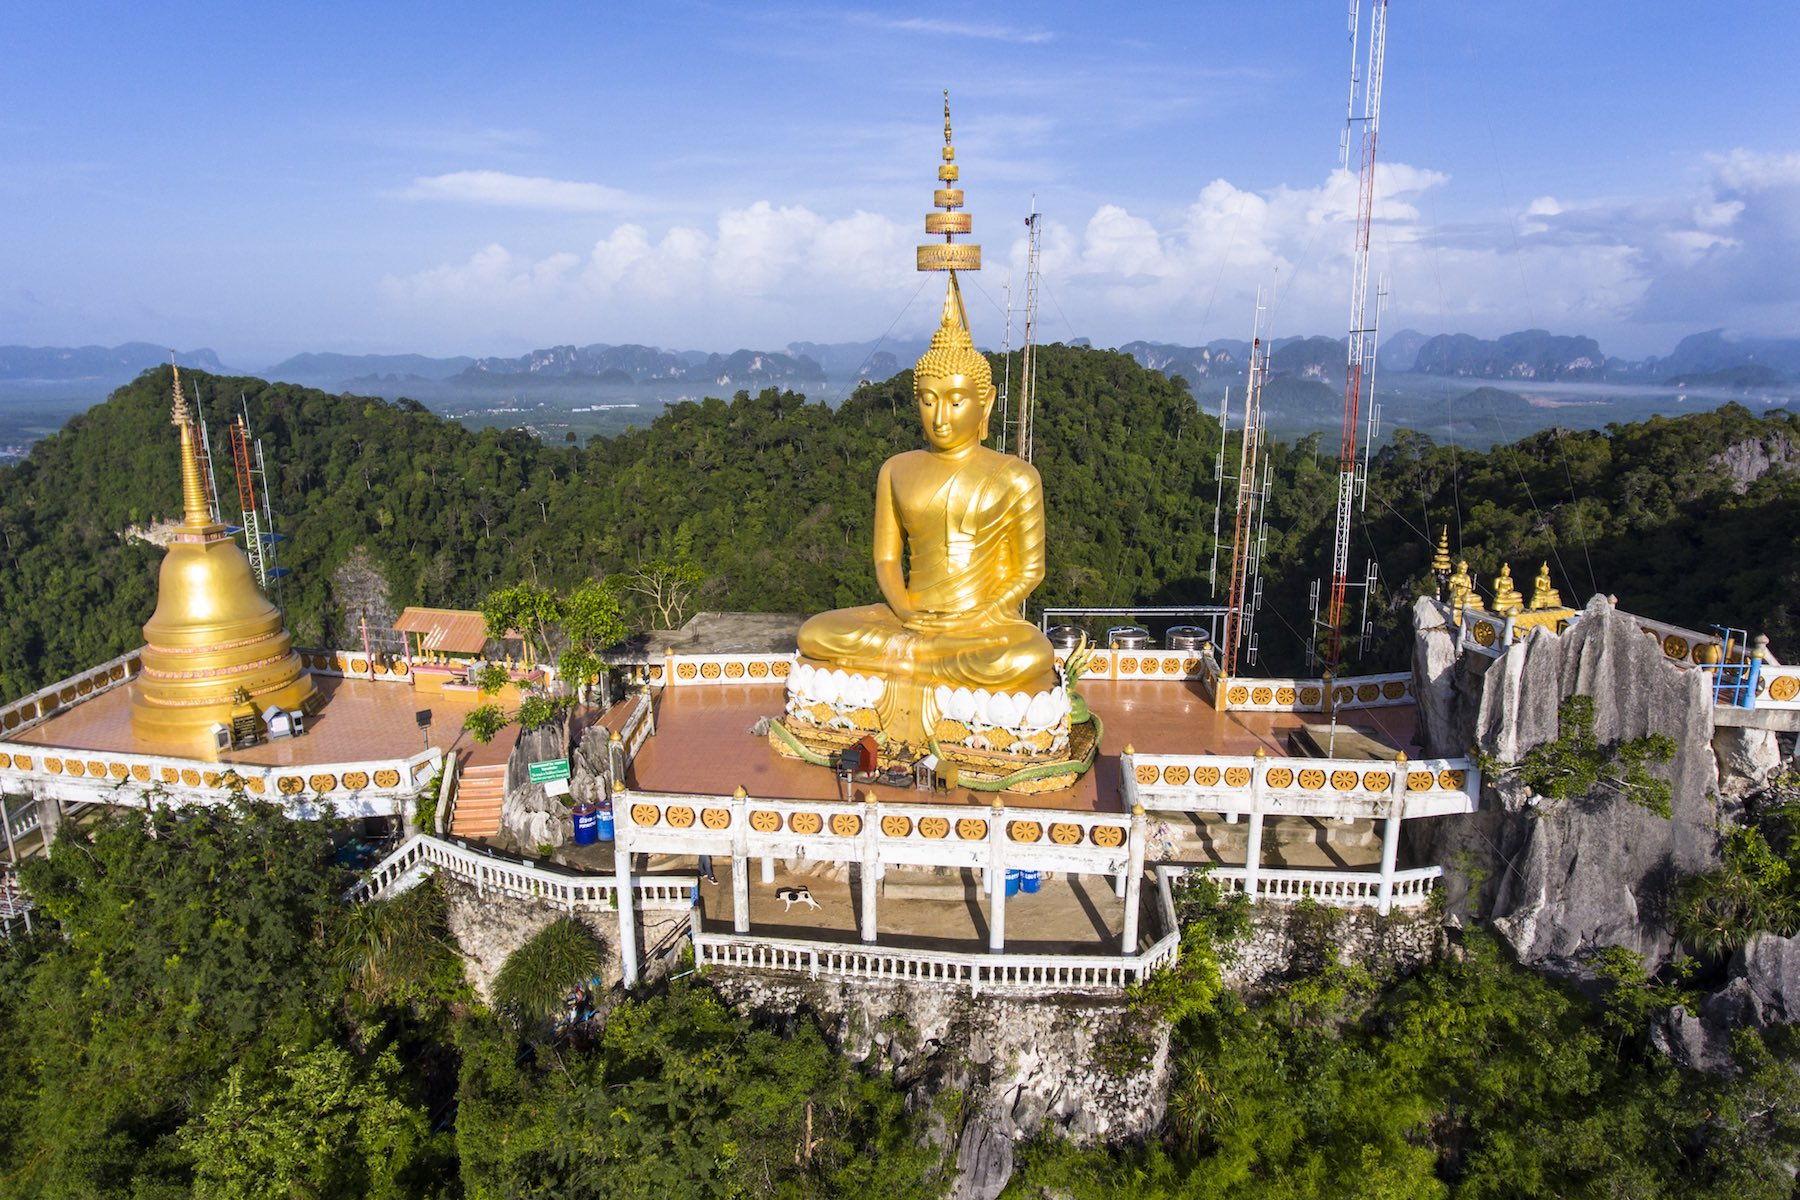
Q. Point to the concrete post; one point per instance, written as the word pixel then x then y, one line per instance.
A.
pixel 1253 852
pixel 871 868
pixel 997 877
pixel 12 855
pixel 50 813
pixel 1390 835
pixel 615 756
pixel 740 860
pixel 768 868
pixel 1134 881
pixel 1127 770
pixel 628 948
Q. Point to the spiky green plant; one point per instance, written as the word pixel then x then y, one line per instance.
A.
pixel 536 978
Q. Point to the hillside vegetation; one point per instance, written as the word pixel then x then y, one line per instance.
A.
pixel 771 498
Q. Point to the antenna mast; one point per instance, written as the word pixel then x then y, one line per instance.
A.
pixel 1245 592
pixel 260 537
pixel 1362 335
pixel 1028 356
pixel 1006 367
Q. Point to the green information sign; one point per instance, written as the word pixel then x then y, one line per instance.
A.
pixel 546 772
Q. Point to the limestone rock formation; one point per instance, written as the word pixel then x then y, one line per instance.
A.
pixel 1021 1066
pixel 529 818
pixel 1763 989
pixel 1560 880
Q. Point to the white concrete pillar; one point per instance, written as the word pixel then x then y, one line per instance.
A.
pixel 1253 852
pixel 768 868
pixel 628 948
pixel 740 861
pixel 1134 880
pixel 871 865
pixel 12 855
pixel 1390 835
pixel 1119 884
pixel 997 878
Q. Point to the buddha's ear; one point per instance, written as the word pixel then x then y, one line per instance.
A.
pixel 988 395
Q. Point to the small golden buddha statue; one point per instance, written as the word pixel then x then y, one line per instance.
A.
pixel 1461 588
pixel 1542 594
pixel 1507 600
pixel 969 523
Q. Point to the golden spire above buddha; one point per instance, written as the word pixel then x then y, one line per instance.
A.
pixel 213 633
pixel 958 542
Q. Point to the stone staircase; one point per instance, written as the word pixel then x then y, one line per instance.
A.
pixel 480 791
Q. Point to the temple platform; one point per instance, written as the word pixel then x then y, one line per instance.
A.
pixel 703 743
pixel 360 720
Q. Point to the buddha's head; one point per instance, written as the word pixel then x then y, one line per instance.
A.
pixel 953 384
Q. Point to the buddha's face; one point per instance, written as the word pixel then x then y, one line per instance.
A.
pixel 953 409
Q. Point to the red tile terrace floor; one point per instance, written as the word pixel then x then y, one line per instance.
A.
pixel 361 720
pixel 703 744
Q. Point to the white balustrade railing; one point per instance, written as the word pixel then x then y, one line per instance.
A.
pixel 698 670
pixel 1245 694
pixel 1337 889
pixel 566 889
pixel 1322 787
pixel 908 834
pixel 382 666
pixel 16 716
pixel 1029 973
pixel 1015 973
pixel 1778 687
pixel 373 788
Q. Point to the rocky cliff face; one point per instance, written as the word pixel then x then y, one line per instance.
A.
pixel 1019 1067
pixel 1762 989
pixel 1560 880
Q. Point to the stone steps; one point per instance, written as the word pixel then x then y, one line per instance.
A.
pixel 480 795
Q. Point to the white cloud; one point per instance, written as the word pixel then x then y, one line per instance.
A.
pixel 498 189
pixel 968 29
pixel 1727 253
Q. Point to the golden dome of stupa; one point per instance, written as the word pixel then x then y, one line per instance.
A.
pixel 213 632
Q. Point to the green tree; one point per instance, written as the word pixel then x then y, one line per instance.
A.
pixel 315 1124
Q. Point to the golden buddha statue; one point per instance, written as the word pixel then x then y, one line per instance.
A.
pixel 1460 591
pixel 1542 594
pixel 1507 600
pixel 969 522
pixel 214 634
pixel 947 661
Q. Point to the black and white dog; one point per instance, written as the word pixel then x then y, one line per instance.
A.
pixel 791 896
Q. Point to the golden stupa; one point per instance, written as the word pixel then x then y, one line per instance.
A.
pixel 214 634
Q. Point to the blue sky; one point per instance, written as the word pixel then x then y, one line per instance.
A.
pixel 461 178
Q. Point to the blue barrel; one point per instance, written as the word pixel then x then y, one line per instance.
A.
pixel 587 825
pixel 603 820
pixel 1012 883
pixel 1028 882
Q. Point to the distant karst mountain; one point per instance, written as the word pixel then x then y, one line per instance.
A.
pixel 1529 354
pixel 332 371
pixel 1706 353
pixel 112 365
pixel 650 364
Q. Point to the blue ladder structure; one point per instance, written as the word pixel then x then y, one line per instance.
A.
pixel 1736 673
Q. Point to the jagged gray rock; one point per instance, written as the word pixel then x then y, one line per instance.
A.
pixel 1086 1068
pixel 529 819
pixel 1561 880
pixel 1763 989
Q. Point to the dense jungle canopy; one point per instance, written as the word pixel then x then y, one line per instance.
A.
pixel 770 497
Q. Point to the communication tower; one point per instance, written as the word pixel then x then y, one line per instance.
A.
pixel 1034 225
pixel 261 542
pixel 1249 532
pixel 1364 128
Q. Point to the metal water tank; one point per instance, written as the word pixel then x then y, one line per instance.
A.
pixel 1191 638
pixel 1128 637
pixel 1065 637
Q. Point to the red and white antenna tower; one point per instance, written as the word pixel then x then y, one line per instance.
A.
pixel 1361 360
